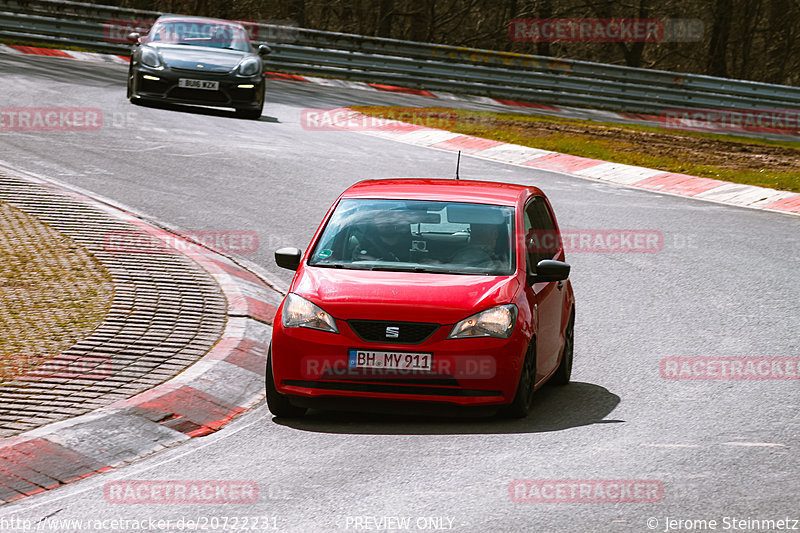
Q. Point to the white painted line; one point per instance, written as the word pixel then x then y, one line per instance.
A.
pixel 383 134
pixel 593 112
pixel 777 195
pixel 755 444
pixel 755 194
pixel 671 445
pixel 88 56
pixel 512 153
pixel 339 83
pixel 723 192
pixel 8 50
pixel 117 59
pixel 425 137
pixel 448 96
pixel 480 99
pixel 619 173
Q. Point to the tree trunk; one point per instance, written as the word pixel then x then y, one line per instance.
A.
pixel 385 15
pixel 297 11
pixel 720 36
pixel 545 12
pixel 779 48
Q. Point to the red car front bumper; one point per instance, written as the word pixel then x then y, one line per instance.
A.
pixel 313 365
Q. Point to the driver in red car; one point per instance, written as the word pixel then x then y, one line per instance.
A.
pixel 385 241
pixel 483 247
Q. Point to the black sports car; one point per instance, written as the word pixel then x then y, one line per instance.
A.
pixel 195 60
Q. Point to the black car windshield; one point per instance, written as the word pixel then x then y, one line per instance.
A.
pixel 418 236
pixel 199 33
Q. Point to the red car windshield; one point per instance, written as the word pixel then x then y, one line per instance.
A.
pixel 418 236
pixel 198 33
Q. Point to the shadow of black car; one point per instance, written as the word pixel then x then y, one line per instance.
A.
pixel 555 409
pixel 198 110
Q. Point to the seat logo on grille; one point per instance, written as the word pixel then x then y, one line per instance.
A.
pixel 392 332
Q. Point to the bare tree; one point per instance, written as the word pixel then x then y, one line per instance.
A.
pixel 748 39
pixel 720 35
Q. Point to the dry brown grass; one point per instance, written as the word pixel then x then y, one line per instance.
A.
pixel 53 292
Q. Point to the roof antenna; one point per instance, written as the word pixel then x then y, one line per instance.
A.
pixel 458 164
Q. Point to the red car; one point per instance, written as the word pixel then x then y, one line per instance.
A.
pixel 417 293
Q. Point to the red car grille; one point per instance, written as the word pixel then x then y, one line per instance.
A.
pixel 384 330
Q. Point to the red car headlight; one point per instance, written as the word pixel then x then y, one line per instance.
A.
pixel 495 322
pixel 301 313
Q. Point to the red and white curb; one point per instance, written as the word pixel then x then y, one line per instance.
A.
pixel 67 54
pixel 630 176
pixel 227 381
pixel 637 177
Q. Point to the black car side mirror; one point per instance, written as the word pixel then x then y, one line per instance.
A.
pixel 264 50
pixel 288 258
pixel 548 270
pixel 134 37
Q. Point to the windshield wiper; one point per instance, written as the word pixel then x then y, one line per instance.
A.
pixel 327 265
pixel 401 268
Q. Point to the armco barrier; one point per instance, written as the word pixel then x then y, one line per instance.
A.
pixel 501 75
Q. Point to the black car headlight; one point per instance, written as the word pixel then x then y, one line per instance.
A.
pixel 495 322
pixel 301 313
pixel 249 67
pixel 150 58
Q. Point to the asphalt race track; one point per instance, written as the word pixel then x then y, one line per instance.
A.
pixel 725 284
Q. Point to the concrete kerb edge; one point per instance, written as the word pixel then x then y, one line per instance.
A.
pixel 402 135
pixel 196 402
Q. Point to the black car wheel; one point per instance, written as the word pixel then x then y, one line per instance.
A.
pixel 523 400
pixel 564 370
pixel 253 113
pixel 279 405
pixel 129 94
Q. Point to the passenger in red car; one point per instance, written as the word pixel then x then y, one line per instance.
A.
pixel 483 248
pixel 384 242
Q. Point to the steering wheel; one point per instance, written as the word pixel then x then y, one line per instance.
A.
pixel 473 256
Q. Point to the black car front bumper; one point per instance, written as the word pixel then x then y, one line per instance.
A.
pixel 239 92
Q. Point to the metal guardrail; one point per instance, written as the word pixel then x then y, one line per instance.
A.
pixel 502 75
